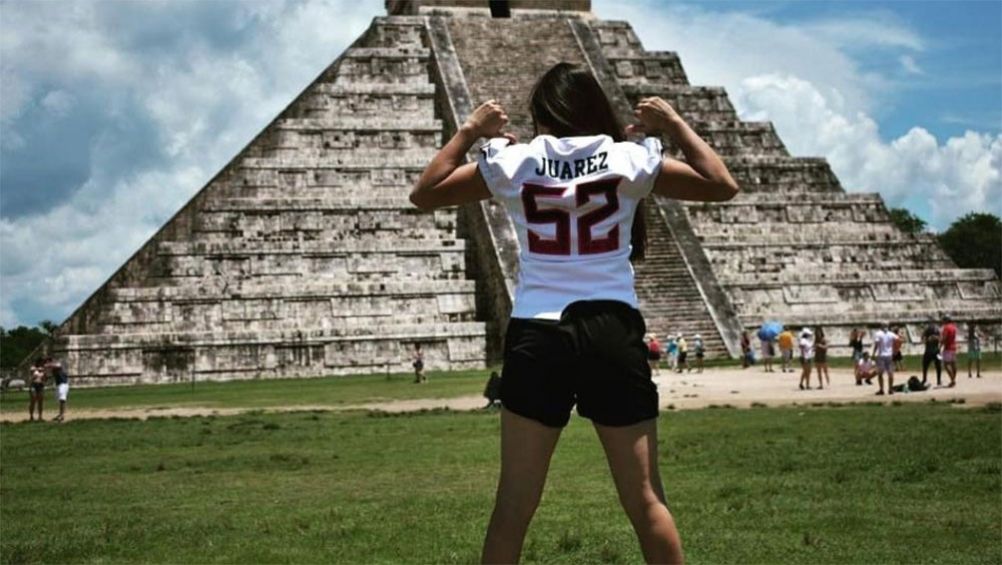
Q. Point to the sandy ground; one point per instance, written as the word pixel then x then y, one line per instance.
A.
pixel 728 386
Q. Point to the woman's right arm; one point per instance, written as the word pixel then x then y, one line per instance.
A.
pixel 704 178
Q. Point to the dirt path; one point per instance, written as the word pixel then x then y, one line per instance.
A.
pixel 728 386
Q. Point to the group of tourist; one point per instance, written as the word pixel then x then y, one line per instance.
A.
pixel 677 352
pixel 40 372
pixel 885 356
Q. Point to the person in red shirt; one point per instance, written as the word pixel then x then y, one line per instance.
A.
pixel 948 343
pixel 654 353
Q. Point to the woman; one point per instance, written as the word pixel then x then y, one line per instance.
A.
pixel 897 357
pixel 575 333
pixel 36 391
pixel 806 359
pixel 856 344
pixel 821 356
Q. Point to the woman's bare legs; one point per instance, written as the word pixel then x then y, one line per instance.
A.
pixel 526 448
pixel 633 460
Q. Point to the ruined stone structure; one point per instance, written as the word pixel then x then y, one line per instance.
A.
pixel 303 257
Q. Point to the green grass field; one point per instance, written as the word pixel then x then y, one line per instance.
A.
pixel 862 484
pixel 265 393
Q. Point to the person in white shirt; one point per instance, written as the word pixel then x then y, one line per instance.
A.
pixel 575 334
pixel 883 350
pixel 866 369
pixel 806 345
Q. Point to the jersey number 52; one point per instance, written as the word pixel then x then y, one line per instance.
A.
pixel 561 245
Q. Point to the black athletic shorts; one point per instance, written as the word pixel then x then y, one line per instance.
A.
pixel 594 356
pixel 38 388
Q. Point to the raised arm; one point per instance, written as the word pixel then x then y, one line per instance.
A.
pixel 447 180
pixel 704 178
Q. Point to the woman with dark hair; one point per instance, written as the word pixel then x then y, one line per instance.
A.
pixel 575 334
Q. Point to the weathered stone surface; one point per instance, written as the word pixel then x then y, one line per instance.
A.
pixel 303 256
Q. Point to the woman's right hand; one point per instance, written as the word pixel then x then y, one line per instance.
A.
pixel 487 120
pixel 655 116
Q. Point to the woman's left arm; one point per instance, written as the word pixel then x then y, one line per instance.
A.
pixel 447 180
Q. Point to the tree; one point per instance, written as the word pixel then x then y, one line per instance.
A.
pixel 48 326
pixel 18 343
pixel 906 221
pixel 974 241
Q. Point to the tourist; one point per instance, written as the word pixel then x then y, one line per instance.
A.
pixel 821 356
pixel 588 295
pixel 417 357
pixel 883 350
pixel 930 338
pixel 786 348
pixel 973 349
pixel 683 352
pixel 745 350
pixel 672 352
pixel 856 344
pixel 653 352
pixel 948 345
pixel 697 346
pixel 899 364
pixel 768 351
pixel 62 386
pixel 866 369
pixel 36 388
pixel 492 392
pixel 806 359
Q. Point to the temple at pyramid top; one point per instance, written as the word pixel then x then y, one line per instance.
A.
pixel 303 256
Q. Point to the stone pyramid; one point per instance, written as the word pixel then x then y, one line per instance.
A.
pixel 303 257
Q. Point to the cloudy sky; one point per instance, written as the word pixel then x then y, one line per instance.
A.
pixel 113 114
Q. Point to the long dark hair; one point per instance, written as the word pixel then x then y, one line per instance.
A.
pixel 569 102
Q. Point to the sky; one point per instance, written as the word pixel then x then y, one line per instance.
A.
pixel 114 113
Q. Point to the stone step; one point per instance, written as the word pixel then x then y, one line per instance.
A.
pixel 338 128
pixel 395 31
pixel 394 65
pixel 731 139
pixel 276 316
pixel 248 290
pixel 351 175
pixel 659 68
pixel 329 225
pixel 720 232
pixel 287 336
pixel 309 157
pixel 878 276
pixel 406 266
pixel 617 39
pixel 306 249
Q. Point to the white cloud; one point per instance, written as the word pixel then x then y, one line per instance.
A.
pixel 959 176
pixel 910 66
pixel 806 77
pixel 206 102
pixel 58 102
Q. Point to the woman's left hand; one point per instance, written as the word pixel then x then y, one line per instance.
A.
pixel 487 121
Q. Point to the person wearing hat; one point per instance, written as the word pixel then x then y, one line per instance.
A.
pixel 683 352
pixel 948 342
pixel 806 344
pixel 883 350
pixel 697 346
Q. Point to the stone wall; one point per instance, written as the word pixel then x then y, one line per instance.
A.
pixel 303 257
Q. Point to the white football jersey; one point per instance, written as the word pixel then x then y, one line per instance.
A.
pixel 572 201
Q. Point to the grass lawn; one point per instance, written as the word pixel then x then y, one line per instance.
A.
pixel 861 484
pixel 265 393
